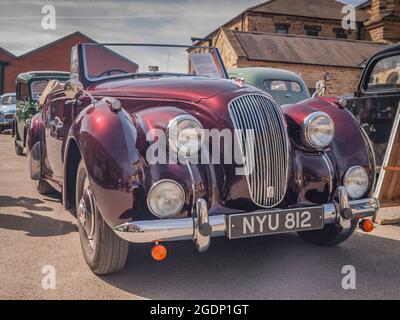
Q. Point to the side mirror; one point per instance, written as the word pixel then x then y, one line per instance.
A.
pixel 72 87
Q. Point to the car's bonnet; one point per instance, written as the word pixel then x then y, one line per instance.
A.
pixel 176 88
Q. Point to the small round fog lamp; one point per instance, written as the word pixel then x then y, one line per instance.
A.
pixel 166 198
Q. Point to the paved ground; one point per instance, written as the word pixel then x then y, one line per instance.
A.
pixel 35 231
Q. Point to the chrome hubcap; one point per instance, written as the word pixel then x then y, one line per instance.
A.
pixel 86 211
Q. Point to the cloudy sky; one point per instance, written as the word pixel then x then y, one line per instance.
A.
pixel 155 21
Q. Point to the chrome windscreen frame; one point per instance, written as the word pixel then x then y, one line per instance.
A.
pixel 214 50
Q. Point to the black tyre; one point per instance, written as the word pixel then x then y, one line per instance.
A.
pixel 42 186
pixel 1 130
pixel 102 249
pixel 331 235
pixel 18 150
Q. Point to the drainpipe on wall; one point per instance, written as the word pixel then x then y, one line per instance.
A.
pixel 2 67
pixel 359 30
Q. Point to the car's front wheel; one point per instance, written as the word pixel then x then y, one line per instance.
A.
pixel 102 249
pixel 331 235
pixel 18 150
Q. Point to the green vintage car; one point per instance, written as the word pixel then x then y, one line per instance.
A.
pixel 30 85
pixel 284 86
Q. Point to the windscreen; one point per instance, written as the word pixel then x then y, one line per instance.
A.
pixel 37 88
pixel 102 61
pixel 9 100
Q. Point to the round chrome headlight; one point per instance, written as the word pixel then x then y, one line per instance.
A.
pixel 356 182
pixel 318 130
pixel 166 198
pixel 185 135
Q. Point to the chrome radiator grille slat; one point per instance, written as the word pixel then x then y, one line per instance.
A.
pixel 271 150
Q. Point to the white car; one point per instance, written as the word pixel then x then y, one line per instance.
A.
pixel 7 110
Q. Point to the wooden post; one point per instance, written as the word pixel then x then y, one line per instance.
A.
pixel 388 186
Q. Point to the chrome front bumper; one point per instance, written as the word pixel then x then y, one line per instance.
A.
pixel 201 227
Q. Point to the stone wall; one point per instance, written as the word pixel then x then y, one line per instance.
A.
pixel 261 22
pixel 380 26
pixel 226 51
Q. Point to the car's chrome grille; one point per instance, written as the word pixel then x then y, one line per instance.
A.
pixel 267 182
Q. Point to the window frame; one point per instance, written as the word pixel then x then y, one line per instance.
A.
pixel 370 68
pixel 340 31
pixel 286 26
pixel 18 93
pixel 288 84
pixel 312 28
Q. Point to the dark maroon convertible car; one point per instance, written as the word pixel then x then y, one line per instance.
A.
pixel 305 168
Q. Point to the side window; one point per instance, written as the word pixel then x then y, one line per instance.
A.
pixel 23 92
pixel 296 87
pixel 37 88
pixel 74 63
pixel 276 85
pixel 385 74
pixel 282 85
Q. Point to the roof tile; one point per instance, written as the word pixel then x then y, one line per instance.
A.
pixel 302 49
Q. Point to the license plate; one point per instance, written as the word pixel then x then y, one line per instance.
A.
pixel 274 222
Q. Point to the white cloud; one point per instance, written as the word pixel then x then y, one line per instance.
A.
pixel 164 21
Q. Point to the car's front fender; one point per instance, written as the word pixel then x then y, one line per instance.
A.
pixel 33 131
pixel 106 141
pixel 349 147
pixel 110 143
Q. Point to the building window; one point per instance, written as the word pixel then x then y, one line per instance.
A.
pixel 340 33
pixel 282 28
pixel 312 30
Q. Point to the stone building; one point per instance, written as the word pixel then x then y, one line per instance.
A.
pixel 384 20
pixel 306 36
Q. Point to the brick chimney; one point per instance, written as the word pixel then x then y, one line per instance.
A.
pixel 381 8
pixel 384 22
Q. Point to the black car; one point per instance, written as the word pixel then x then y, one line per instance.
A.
pixel 376 101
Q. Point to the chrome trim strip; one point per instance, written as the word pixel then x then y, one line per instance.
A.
pixel 331 172
pixel 193 186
